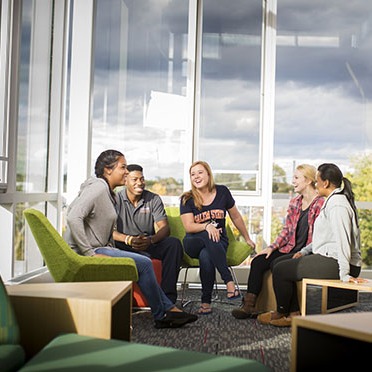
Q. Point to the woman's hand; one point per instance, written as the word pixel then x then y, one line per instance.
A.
pixel 357 280
pixel 214 233
pixel 251 243
pixel 267 251
pixel 297 255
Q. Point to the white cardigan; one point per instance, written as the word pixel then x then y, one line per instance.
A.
pixel 336 234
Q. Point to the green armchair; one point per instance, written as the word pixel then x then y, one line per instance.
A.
pixel 65 265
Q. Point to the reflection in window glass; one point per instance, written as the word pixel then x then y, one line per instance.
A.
pixel 323 82
pixel 230 90
pixel 140 86
pixel 33 124
pixel 324 91
pixel 33 109
pixel 3 173
pixel 3 122
pixel 25 257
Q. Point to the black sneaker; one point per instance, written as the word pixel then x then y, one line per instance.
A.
pixel 170 322
pixel 182 315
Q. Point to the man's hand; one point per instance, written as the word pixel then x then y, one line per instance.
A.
pixel 141 242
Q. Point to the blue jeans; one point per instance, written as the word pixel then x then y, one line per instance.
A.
pixel 212 256
pixel 156 298
pixel 170 252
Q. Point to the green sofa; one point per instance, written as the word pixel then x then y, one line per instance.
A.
pixel 75 352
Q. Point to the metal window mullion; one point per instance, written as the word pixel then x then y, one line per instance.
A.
pixel 79 126
pixel 267 112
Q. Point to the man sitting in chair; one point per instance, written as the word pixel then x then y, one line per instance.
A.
pixel 142 227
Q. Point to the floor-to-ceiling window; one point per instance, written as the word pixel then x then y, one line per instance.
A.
pixel 169 82
pixel 323 102
pixel 31 105
pixel 141 102
pixel 228 120
pixel 4 125
pixel 167 93
pixel 230 87
pixel 323 81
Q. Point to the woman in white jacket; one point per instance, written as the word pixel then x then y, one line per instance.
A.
pixel 333 254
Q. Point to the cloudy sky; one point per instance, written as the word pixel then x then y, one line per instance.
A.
pixel 323 82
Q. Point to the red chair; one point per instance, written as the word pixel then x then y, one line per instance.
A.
pixel 139 299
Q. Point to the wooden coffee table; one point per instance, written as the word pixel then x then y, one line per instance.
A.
pixel 331 341
pixel 325 284
pixel 45 310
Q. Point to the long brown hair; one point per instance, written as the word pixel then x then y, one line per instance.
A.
pixel 194 193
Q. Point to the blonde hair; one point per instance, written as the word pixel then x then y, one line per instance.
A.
pixel 194 193
pixel 309 172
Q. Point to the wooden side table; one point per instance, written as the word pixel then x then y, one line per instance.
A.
pixel 45 310
pixel 325 284
pixel 331 341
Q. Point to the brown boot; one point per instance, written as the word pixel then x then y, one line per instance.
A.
pixel 247 308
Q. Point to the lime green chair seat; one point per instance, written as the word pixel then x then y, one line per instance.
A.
pixel 65 265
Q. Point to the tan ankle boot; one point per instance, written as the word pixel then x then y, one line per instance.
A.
pixel 247 308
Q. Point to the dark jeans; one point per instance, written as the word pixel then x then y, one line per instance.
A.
pixel 155 296
pixel 212 256
pixel 288 272
pixel 170 252
pixel 259 265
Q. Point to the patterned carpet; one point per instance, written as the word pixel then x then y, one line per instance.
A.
pixel 221 333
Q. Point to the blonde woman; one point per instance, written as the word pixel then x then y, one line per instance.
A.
pixel 203 212
pixel 296 233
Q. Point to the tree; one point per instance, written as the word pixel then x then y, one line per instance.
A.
pixel 233 181
pixel 280 184
pixel 362 187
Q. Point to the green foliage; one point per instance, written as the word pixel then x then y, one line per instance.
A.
pixel 276 227
pixel 362 187
pixel 233 181
pixel 361 177
pixel 280 184
pixel 365 224
pixel 19 237
pixel 251 184
pixel 165 186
